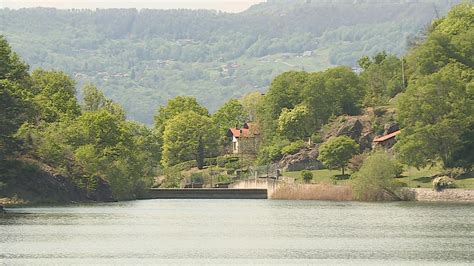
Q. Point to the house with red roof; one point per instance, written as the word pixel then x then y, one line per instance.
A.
pixel 386 141
pixel 245 140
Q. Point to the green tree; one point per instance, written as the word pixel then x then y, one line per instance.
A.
pixel 434 113
pixel 383 80
pixel 11 66
pixel 376 176
pixel 94 99
pixel 336 152
pixel 189 136
pixel 294 124
pixel 175 107
pixel 231 114
pixel 285 92
pixel 251 102
pixel 55 93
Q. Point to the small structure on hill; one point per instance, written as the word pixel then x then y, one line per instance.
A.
pixel 386 141
pixel 245 140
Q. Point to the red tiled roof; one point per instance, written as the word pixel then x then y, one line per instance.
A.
pixel 386 137
pixel 241 132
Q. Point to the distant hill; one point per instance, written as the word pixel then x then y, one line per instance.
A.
pixel 143 58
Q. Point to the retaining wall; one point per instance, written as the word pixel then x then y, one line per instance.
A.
pixel 205 193
pixel 427 194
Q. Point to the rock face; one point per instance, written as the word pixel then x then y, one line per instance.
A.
pixel 362 128
pixel 305 159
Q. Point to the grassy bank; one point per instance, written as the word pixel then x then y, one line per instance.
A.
pixel 414 178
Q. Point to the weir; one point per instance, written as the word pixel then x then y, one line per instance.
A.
pixel 206 193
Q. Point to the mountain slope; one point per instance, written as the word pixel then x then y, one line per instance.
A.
pixel 143 58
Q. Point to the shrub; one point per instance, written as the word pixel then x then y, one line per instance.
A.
pixel 223 160
pixel 223 179
pixel 316 138
pixel 197 178
pixel 443 182
pixel 307 176
pixel 293 148
pixel 375 176
pixel 232 165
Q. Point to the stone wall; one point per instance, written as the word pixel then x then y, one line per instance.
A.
pixel 427 194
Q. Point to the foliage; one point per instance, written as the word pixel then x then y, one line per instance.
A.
pixel 293 147
pixel 175 107
pixel 231 114
pixel 336 152
pixel 188 136
pixel 375 176
pixel 307 176
pixel 437 109
pixel 443 182
pixel 272 151
pixel 383 78
pixel 299 103
pixel 294 123
pixel 55 94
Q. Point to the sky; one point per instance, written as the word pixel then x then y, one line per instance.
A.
pixel 223 5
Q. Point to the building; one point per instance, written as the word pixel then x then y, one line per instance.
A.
pixel 386 141
pixel 245 140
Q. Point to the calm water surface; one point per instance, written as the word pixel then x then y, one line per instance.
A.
pixel 239 232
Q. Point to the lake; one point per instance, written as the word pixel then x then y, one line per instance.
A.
pixel 239 232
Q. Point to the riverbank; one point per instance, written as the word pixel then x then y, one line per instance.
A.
pixel 344 193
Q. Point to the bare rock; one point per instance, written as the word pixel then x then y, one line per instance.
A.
pixel 305 159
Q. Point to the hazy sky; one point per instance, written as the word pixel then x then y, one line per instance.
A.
pixel 224 5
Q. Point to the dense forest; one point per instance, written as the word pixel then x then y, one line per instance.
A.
pixel 142 58
pixel 90 142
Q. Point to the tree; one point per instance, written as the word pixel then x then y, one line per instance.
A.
pixel 188 136
pixel 336 152
pixel 11 66
pixel 333 92
pixel 250 102
pixel 383 79
pixel 55 93
pixel 285 92
pixel 376 176
pixel 295 124
pixel 437 110
pixel 94 99
pixel 434 113
pixel 231 114
pixel 175 107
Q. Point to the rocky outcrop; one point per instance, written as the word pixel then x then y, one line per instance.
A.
pixel 30 181
pixel 305 159
pixel 362 128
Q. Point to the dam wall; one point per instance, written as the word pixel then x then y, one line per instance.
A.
pixel 206 193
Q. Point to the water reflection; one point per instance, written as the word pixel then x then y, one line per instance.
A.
pixel 239 231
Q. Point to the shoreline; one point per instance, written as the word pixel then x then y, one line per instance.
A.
pixel 455 195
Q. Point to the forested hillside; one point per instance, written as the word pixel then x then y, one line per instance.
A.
pixel 142 58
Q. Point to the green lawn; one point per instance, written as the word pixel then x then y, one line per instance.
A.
pixel 412 177
pixel 319 176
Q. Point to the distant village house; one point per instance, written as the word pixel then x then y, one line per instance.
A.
pixel 245 140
